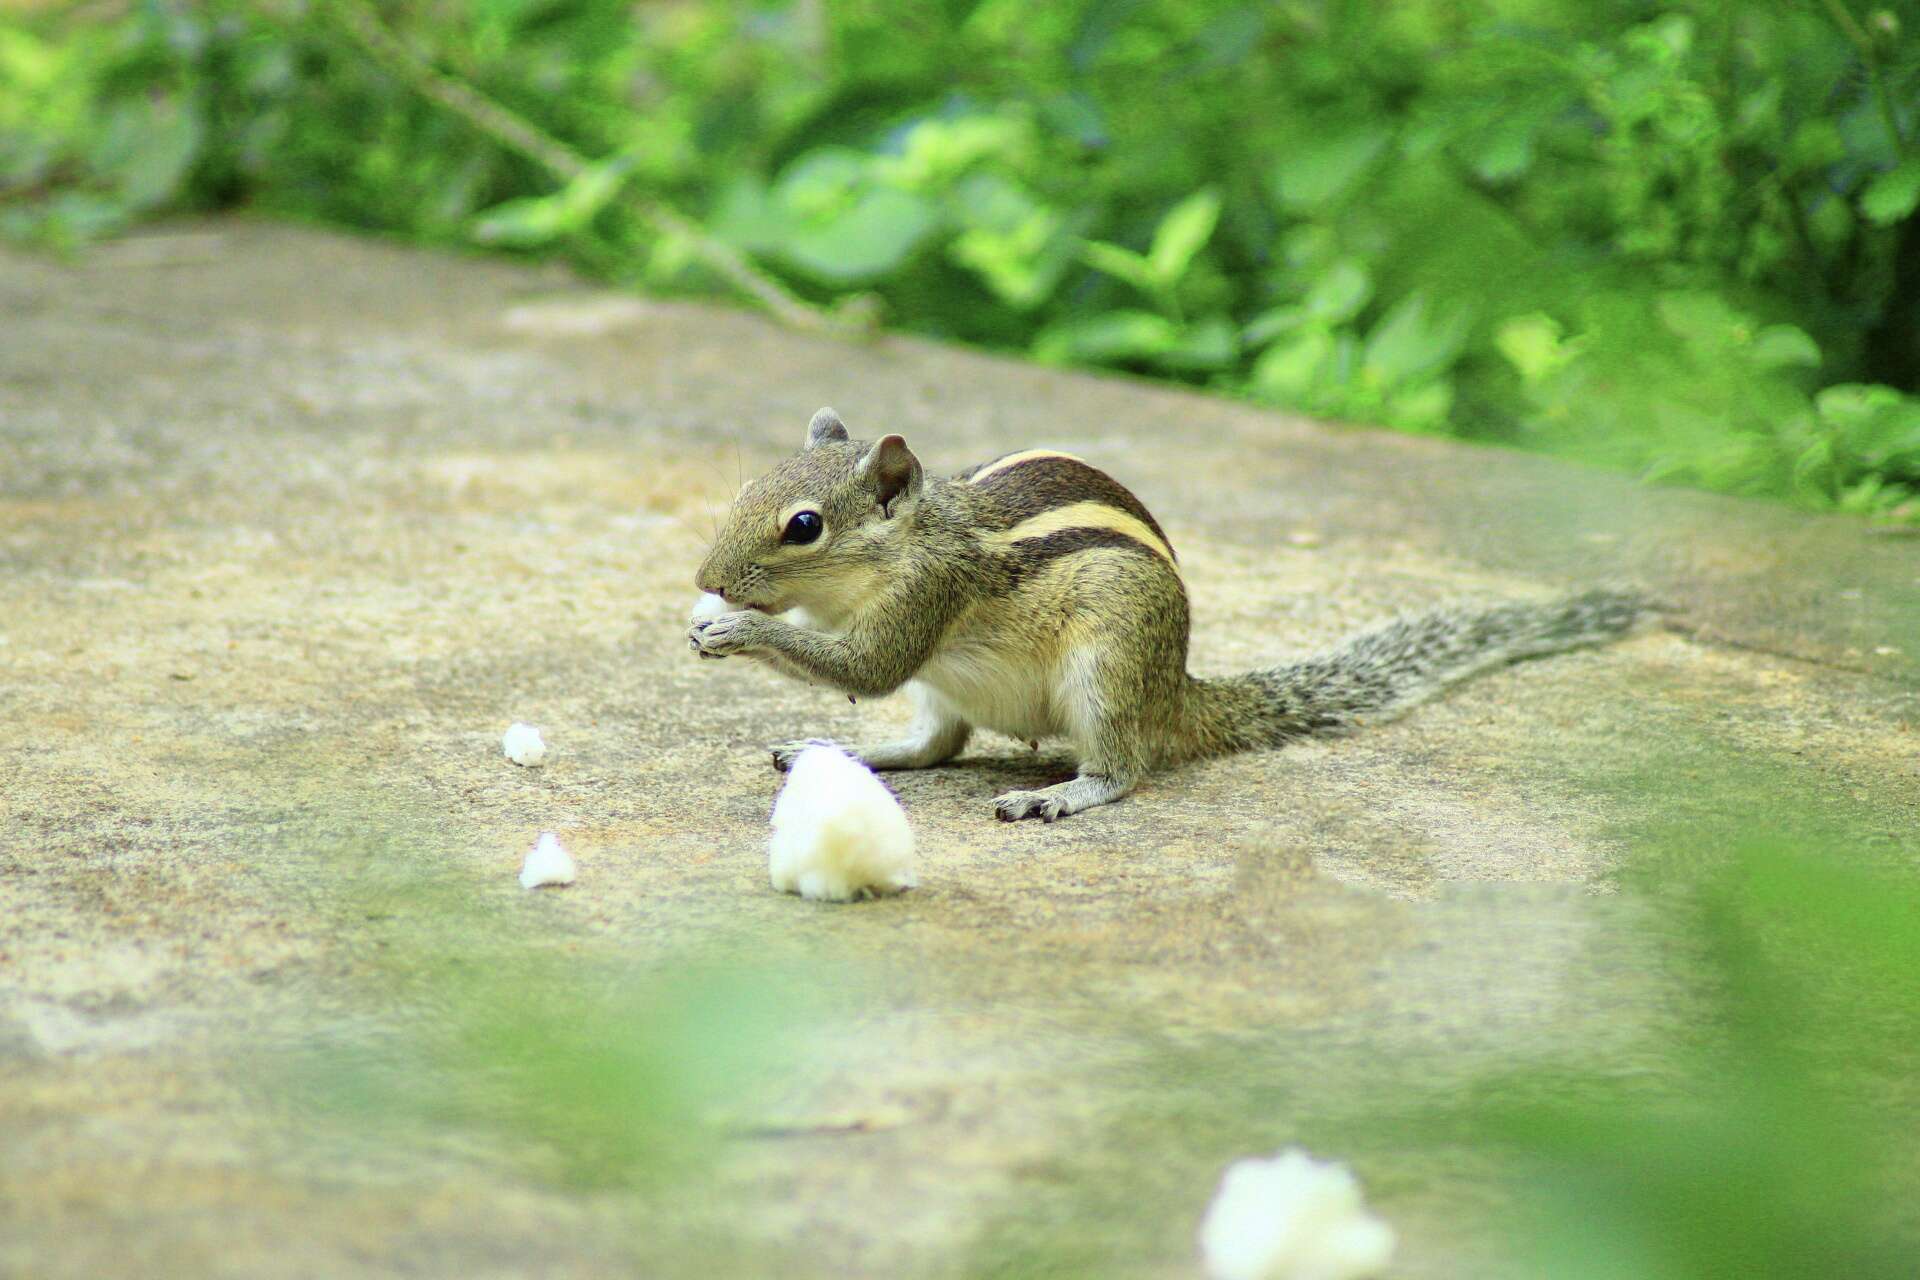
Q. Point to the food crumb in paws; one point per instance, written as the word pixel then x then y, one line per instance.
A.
pixel 547 863
pixel 838 833
pixel 524 746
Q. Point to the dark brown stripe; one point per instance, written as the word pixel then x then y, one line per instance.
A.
pixel 1026 489
pixel 1031 554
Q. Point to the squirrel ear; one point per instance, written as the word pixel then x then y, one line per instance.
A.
pixel 826 426
pixel 891 471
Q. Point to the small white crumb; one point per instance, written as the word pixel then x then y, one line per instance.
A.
pixel 547 863
pixel 838 834
pixel 524 745
pixel 710 605
pixel 1292 1218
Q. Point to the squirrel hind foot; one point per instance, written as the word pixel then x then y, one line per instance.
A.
pixel 1063 799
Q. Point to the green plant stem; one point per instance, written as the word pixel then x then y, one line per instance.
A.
pixel 364 27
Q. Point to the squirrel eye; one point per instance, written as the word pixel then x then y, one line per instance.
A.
pixel 803 528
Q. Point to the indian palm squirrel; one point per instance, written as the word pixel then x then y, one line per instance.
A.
pixel 1035 596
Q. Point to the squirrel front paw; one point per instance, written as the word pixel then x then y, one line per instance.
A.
pixel 728 633
pixel 785 753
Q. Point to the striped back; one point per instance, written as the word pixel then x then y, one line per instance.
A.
pixel 1047 504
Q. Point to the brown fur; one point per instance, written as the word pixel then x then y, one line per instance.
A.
pixel 1079 632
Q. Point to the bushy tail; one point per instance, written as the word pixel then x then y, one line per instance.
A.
pixel 1381 672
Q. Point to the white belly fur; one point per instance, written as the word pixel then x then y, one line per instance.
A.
pixel 1014 696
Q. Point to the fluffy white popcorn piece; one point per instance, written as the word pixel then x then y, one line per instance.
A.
pixel 838 834
pixel 547 863
pixel 710 605
pixel 1292 1218
pixel 524 745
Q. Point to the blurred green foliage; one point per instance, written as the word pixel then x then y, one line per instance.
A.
pixel 589 1074
pixel 1677 238
pixel 487 1020
pixel 1774 1136
pixel 1756 1124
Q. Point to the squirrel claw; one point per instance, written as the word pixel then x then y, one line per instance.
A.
pixel 728 633
pixel 785 753
pixel 1015 805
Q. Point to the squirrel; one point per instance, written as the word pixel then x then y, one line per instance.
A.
pixel 1034 595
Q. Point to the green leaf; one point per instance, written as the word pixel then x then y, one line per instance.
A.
pixel 1505 151
pixel 1270 324
pixel 1813 467
pixel 1665 39
pixel 936 152
pixel 1704 320
pixel 1019 271
pixel 1876 424
pixel 1308 245
pixel 1815 144
pixel 824 217
pixel 746 215
pixel 1339 292
pixel 1321 170
pixel 1420 406
pixel 1182 234
pixel 1121 263
pixel 148 151
pixel 879 231
pixel 582 199
pixel 1892 195
pixel 1291 370
pixel 1204 346
pixel 1018 246
pixel 1534 346
pixel 537 220
pixel 1779 346
pixel 28 64
pixel 992 201
pixel 522 223
pixel 821 183
pixel 1108 337
pixel 1410 342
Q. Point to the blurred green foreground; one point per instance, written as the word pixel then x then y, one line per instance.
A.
pixel 1762 1125
pixel 1678 239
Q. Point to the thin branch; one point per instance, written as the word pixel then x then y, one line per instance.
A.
pixel 361 24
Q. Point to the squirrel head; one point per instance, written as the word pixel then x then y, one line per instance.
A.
pixel 817 531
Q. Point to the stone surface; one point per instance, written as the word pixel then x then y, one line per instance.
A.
pixel 293 525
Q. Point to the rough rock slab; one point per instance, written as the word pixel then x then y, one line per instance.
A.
pixel 292 525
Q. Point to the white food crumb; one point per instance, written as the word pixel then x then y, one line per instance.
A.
pixel 1292 1218
pixel 710 606
pixel 838 834
pixel 524 746
pixel 547 863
